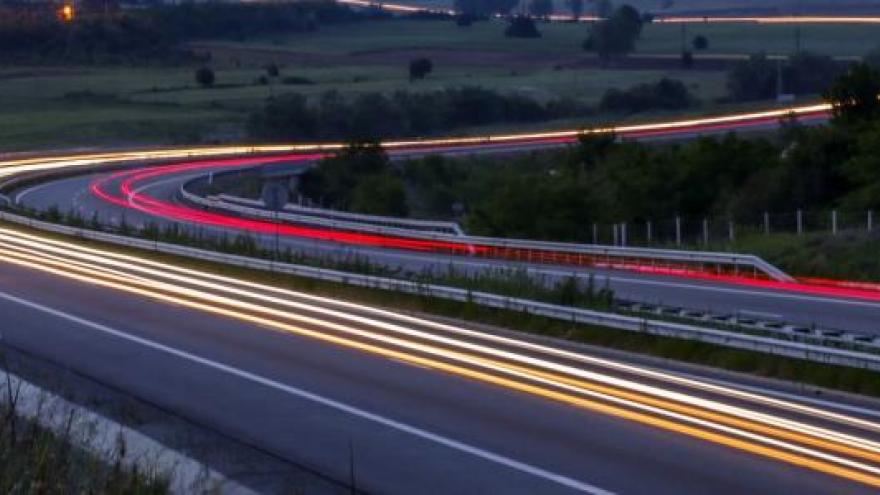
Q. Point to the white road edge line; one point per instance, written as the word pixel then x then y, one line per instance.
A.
pixel 22 194
pixel 333 404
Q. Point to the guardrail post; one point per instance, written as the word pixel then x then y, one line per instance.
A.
pixel 648 229
pixel 623 234
pixel 678 231
pixel 834 222
pixel 766 223
pixel 705 232
pixel 800 222
pixel 595 233
pixel 614 233
pixel 730 233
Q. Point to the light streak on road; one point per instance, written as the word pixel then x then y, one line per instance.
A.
pixel 824 441
pixel 403 8
pixel 13 167
pixel 131 198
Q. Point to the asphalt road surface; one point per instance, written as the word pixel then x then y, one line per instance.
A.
pixel 418 417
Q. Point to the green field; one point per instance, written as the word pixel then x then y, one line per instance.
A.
pixel 564 39
pixel 82 107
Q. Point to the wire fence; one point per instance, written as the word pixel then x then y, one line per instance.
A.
pixel 704 231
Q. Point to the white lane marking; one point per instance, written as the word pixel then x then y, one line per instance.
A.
pixel 333 404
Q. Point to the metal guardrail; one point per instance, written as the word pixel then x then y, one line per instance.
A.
pixel 611 254
pixel 317 215
pixel 767 345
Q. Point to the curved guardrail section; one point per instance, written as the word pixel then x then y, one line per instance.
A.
pixel 665 260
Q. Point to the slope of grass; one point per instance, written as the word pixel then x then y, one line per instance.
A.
pixel 36 460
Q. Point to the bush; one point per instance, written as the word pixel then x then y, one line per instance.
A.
pixel 296 80
pixel 666 94
pixel 522 26
pixel 374 115
pixel 205 77
pixel 419 68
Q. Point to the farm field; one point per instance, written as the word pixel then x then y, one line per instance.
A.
pixel 82 107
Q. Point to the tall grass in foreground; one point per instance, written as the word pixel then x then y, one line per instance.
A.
pixel 36 460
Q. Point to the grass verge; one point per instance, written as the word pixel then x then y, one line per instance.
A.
pixel 34 459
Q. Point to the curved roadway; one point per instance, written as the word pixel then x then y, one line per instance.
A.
pixel 424 407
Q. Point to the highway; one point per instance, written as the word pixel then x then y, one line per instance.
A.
pixel 153 193
pixel 74 194
pixel 403 404
pixel 426 407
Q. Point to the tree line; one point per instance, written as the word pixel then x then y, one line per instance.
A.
pixel 153 34
pixel 558 194
pixel 403 113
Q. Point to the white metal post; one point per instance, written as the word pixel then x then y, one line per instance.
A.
pixel 800 222
pixel 834 222
pixel 678 231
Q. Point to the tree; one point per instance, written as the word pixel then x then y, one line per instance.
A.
pixel 541 8
pixel 752 79
pixel 854 96
pixel 576 7
pixel 615 35
pixel 810 73
pixel 205 77
pixel 700 43
pixel 419 68
pixel 380 194
pixel 687 59
pixel 522 26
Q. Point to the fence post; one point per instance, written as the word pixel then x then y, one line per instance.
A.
pixel 678 231
pixel 870 220
pixel 834 222
pixel 648 228
pixel 800 222
pixel 730 233
pixel 595 234
pixel 705 232
pixel 766 223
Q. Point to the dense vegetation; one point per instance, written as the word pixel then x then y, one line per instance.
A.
pixel 557 194
pixel 153 34
pixel 374 115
